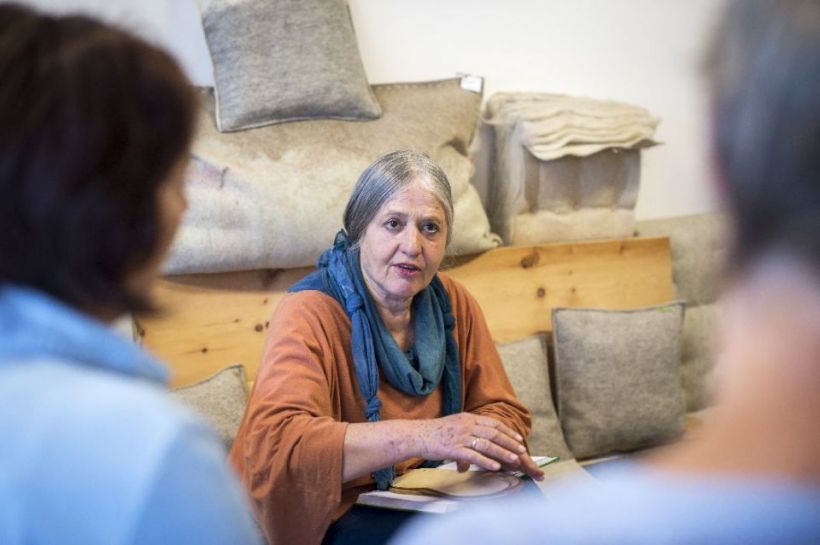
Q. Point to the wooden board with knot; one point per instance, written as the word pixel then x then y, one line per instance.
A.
pixel 211 321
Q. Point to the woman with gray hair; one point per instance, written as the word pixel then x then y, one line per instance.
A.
pixel 375 363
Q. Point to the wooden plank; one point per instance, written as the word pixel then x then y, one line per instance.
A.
pixel 518 287
pixel 212 321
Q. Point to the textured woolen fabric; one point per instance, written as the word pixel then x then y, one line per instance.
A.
pixel 698 355
pixel 274 196
pixel 526 364
pixel 699 244
pixel 553 126
pixel 618 377
pixel 279 60
pixel 564 167
pixel 220 399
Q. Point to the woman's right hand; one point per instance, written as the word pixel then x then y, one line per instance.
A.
pixel 470 439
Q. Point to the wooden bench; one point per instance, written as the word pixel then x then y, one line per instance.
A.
pixel 211 321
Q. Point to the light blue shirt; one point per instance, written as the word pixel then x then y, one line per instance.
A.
pixel 636 506
pixel 92 450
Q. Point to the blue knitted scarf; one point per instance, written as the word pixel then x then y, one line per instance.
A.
pixel 432 359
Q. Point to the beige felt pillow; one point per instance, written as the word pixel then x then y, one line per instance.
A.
pixel 526 364
pixel 220 399
pixel 280 60
pixel 274 196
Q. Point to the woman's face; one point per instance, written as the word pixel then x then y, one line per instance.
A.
pixel 403 245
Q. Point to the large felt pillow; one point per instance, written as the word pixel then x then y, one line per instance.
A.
pixel 220 399
pixel 618 377
pixel 699 244
pixel 698 355
pixel 274 196
pixel 698 255
pixel 280 60
pixel 526 364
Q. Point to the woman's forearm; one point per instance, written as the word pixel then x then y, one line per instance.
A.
pixel 371 446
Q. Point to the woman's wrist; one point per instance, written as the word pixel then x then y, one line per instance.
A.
pixel 410 437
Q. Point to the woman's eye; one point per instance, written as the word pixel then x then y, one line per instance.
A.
pixel 392 224
pixel 430 228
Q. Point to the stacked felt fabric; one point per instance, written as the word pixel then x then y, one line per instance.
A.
pixel 566 168
pixel 553 126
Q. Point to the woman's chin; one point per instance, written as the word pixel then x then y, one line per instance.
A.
pixel 406 288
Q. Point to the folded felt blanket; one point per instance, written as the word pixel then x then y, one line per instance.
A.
pixel 552 126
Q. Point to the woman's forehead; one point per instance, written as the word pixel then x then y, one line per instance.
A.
pixel 414 199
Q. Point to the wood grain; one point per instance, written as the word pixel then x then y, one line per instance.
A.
pixel 212 321
pixel 518 287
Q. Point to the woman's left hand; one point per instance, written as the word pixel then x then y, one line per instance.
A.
pixel 523 463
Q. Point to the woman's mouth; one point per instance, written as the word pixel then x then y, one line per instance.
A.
pixel 407 270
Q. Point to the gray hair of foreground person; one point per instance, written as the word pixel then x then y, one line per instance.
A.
pixel 764 72
pixel 385 177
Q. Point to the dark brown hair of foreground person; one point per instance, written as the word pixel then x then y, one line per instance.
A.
pixel 87 136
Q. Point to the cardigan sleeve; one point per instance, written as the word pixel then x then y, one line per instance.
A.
pixel 486 388
pixel 289 447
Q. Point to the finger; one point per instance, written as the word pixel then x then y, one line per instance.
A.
pixel 528 466
pixel 489 422
pixel 501 439
pixel 494 451
pixel 471 456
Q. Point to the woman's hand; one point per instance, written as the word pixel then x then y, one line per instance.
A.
pixel 473 439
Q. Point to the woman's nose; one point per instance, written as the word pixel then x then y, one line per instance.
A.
pixel 411 241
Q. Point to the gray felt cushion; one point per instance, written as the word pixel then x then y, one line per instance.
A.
pixel 526 364
pixel 280 60
pixel 274 196
pixel 618 377
pixel 698 250
pixel 697 356
pixel 220 399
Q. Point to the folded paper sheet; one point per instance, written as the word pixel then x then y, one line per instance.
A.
pixel 445 482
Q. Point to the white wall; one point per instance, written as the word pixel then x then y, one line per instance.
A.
pixel 642 51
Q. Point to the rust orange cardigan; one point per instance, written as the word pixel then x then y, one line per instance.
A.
pixel 289 447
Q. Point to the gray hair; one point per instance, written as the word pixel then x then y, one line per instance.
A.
pixel 764 68
pixel 385 177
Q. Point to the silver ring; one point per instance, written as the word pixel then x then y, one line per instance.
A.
pixel 473 443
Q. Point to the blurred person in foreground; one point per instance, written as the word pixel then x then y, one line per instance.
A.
pixel 754 476
pixel 96 126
